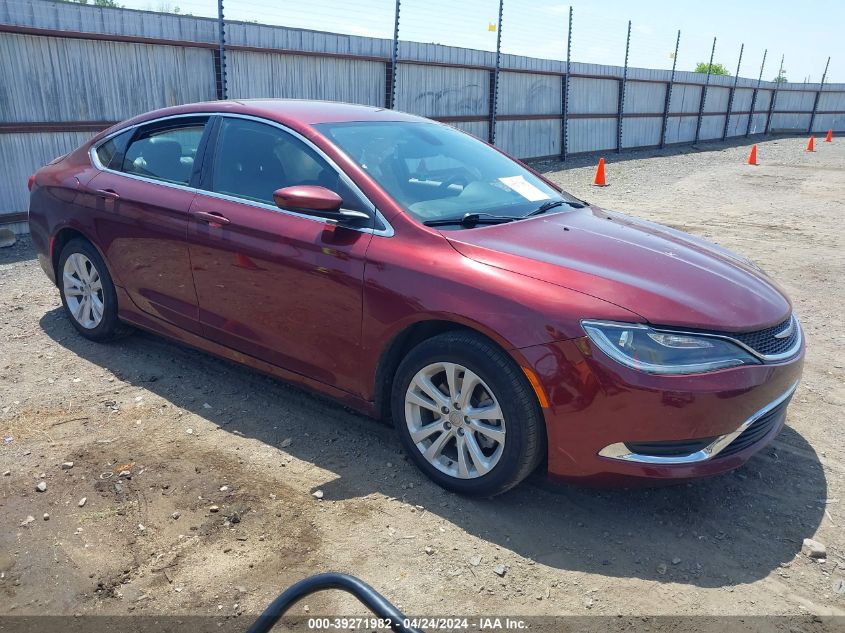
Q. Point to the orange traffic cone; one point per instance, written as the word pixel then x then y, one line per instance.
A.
pixel 752 157
pixel 829 137
pixel 599 180
pixel 810 145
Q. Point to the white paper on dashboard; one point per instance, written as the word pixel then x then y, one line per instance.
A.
pixel 523 188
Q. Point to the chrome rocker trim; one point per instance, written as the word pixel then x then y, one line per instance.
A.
pixel 621 452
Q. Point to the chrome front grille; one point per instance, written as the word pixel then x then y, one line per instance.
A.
pixel 772 341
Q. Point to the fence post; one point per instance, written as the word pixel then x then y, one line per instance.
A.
pixel 622 86
pixel 390 74
pixel 704 93
pixel 774 97
pixel 669 87
pixel 564 133
pixel 494 89
pixel 818 96
pixel 222 92
pixel 732 93
pixel 754 95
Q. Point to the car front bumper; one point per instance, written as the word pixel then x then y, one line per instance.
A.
pixel 610 424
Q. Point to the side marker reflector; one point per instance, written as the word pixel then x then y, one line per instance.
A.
pixel 538 388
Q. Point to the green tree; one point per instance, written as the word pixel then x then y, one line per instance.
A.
pixel 780 79
pixel 166 7
pixel 101 3
pixel 715 69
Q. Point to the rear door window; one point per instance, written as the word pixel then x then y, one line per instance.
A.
pixel 164 153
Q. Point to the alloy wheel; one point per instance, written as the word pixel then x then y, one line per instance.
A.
pixel 455 420
pixel 83 290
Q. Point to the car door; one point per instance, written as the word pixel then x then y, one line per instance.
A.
pixel 144 194
pixel 279 285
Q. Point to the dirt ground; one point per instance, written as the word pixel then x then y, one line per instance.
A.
pixel 218 512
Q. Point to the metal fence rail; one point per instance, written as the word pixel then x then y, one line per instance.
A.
pixel 98 65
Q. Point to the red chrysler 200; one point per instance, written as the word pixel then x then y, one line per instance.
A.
pixel 416 273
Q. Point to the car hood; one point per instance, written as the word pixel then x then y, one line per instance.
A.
pixel 666 276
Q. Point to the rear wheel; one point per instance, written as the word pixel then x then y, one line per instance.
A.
pixel 466 414
pixel 87 291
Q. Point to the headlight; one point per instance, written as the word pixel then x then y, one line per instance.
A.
pixel 664 352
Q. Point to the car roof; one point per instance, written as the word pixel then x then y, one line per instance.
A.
pixel 312 111
pixel 301 111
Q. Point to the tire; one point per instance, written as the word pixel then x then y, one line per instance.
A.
pixel 489 467
pixel 83 277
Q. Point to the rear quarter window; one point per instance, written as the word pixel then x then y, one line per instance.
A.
pixel 106 152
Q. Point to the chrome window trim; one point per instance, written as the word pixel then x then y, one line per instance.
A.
pixel 152 181
pixel 792 351
pixel 619 451
pixel 385 232
pixel 92 153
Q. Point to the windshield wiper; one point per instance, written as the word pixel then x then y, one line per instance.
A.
pixel 551 204
pixel 471 219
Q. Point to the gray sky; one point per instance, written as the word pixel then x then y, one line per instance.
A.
pixel 805 32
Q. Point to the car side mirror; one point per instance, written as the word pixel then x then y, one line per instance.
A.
pixel 315 200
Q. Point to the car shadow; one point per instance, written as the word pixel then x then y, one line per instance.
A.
pixel 719 532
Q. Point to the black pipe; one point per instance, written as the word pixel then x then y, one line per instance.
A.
pixel 368 596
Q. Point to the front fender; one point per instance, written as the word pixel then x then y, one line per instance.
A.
pixel 402 288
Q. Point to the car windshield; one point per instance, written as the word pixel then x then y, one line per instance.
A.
pixel 436 172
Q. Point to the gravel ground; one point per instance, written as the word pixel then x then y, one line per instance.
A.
pixel 218 510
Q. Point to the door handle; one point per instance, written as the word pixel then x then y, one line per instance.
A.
pixel 211 217
pixel 107 193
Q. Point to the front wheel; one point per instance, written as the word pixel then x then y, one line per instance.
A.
pixel 466 414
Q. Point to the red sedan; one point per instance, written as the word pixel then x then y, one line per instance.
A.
pixel 414 272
